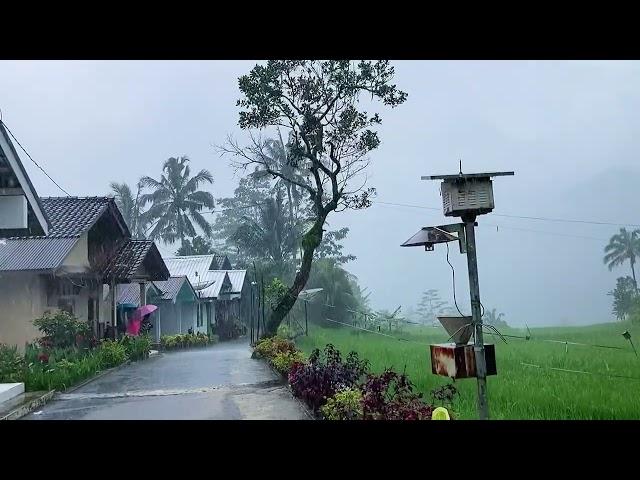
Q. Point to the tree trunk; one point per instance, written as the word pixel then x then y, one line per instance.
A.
pixel 632 260
pixel 310 242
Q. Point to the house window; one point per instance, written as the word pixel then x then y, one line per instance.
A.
pixel 62 293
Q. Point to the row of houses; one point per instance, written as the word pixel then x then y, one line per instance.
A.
pixel 77 254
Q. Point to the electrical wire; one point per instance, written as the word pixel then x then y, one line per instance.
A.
pixel 31 158
pixel 547 219
pixel 453 274
pixel 583 372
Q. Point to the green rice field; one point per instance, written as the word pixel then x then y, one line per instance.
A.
pixel 517 391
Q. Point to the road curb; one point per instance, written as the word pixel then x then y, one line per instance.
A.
pixel 23 410
pixel 285 382
pixel 97 376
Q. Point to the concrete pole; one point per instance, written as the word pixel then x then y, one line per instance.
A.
pixel 474 289
pixel 143 293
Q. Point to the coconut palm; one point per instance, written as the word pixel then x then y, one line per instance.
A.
pixel 176 202
pixel 131 207
pixel 623 246
pixel 494 318
pixel 268 235
pixel 276 154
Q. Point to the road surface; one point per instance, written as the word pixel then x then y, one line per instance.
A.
pixel 220 382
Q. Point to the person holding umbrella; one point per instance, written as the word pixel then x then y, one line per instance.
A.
pixel 139 316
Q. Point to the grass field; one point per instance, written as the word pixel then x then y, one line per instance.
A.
pixel 518 391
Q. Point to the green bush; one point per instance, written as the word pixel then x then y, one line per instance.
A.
pixel 269 347
pixel 112 353
pixel 61 330
pixel 169 342
pixel 344 405
pixel 283 362
pixel 285 331
pixel 138 347
pixel 61 374
pixel 12 364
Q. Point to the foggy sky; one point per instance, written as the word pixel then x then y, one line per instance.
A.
pixel 568 129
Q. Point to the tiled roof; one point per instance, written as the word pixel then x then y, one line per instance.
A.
pixel 72 216
pixel 131 256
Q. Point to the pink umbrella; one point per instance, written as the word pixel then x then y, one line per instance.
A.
pixel 133 328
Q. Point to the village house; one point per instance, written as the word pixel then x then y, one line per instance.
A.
pixel 223 292
pixel 179 307
pixel 63 253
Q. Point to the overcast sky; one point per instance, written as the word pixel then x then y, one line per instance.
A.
pixel 569 130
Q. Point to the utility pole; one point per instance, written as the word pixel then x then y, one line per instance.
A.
pixel 474 290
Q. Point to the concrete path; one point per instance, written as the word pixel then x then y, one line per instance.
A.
pixel 221 382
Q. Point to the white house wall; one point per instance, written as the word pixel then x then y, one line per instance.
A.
pixel 78 258
pixel 23 299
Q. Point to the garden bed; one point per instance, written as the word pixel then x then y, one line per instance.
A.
pixel 187 340
pixel 66 355
pixel 333 388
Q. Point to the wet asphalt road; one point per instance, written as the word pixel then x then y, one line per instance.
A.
pixel 221 382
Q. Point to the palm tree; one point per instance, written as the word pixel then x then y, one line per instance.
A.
pixel 131 208
pixel 623 246
pixel 267 235
pixel 176 202
pixel 494 318
pixel 277 154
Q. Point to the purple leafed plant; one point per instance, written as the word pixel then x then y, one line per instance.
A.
pixel 325 374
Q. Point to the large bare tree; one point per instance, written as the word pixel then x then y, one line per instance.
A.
pixel 330 137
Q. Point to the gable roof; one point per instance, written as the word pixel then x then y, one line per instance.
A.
pixel 237 278
pixel 194 267
pixel 70 218
pixel 220 262
pixel 8 152
pixel 132 255
pixel 130 292
pixel 173 286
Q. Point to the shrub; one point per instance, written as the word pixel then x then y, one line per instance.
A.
pixel 344 405
pixel 61 374
pixel 169 342
pixel 269 347
pixel 390 396
pixel 324 375
pixel 283 362
pixel 61 330
pixel 285 331
pixel 138 347
pixel 112 353
pixel 12 364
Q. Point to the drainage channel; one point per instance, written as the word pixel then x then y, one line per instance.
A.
pixel 165 392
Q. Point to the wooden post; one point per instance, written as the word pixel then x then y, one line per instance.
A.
pixel 114 310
